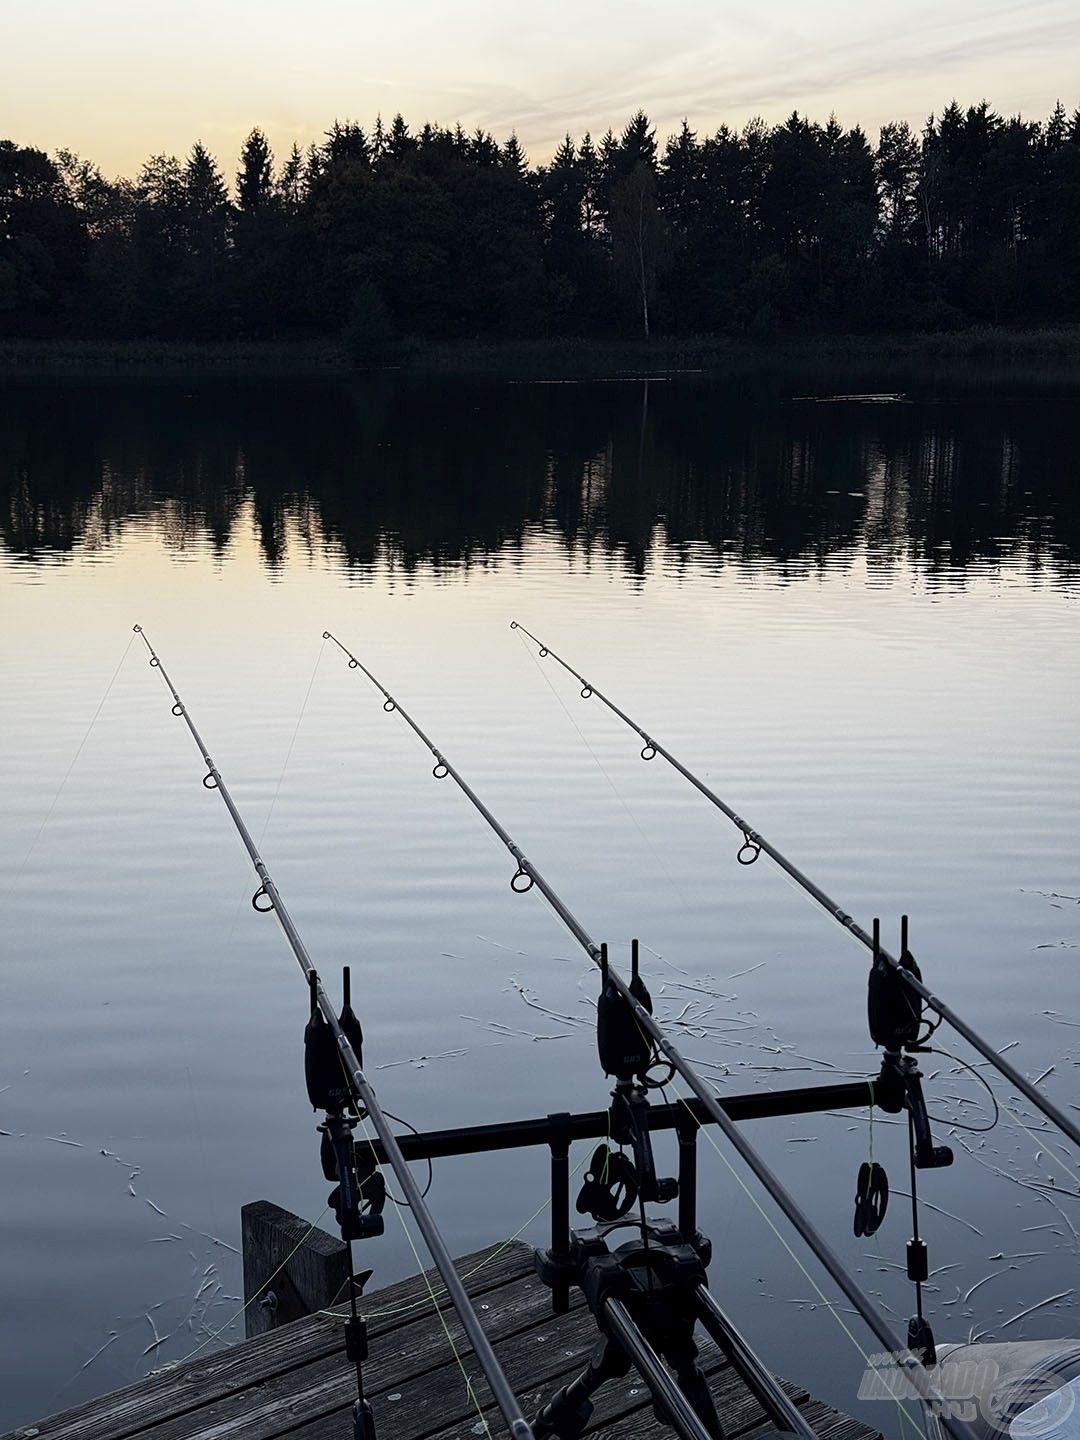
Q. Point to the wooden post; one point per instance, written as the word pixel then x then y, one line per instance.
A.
pixel 309 1267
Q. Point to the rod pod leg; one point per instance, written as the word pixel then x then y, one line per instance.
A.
pixel 569 1410
pixel 681 1353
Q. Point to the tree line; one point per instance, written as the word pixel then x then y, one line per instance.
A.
pixel 386 235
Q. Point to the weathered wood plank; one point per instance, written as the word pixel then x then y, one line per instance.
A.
pixel 532 1358
pixel 208 1377
pixel 293 1269
pixel 295 1381
pixel 739 1411
pixel 402 1361
pixel 829 1423
pixel 624 1409
pixel 537 1363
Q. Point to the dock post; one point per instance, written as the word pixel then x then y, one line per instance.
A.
pixel 291 1268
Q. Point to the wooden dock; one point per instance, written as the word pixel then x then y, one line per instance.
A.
pixel 294 1381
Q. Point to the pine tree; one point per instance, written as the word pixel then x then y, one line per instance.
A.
pixel 199 284
pixel 897 164
pixel 346 144
pixel 253 181
pixel 638 144
pixel 680 188
pixel 205 194
pixel 1057 129
pixel 399 144
pixel 563 193
pixel 513 157
pixel 378 141
pixel 290 182
pixel 314 165
pixel 590 167
pixel 483 149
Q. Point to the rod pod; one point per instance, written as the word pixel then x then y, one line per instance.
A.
pixel 525 877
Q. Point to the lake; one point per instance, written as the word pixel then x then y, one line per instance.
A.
pixel 856 618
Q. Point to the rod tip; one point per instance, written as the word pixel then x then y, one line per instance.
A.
pixel 513 625
pixel 326 634
pixel 136 629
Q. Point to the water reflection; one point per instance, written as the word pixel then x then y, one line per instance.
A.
pixel 452 472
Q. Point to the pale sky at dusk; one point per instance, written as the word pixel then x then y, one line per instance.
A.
pixel 117 80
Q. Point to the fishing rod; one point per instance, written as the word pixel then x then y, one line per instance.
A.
pixel 754 843
pixel 525 877
pixel 266 898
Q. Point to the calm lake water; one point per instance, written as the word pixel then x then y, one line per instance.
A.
pixel 857 619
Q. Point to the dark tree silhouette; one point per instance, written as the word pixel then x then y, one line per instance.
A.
pixel 254 181
pixel 398 233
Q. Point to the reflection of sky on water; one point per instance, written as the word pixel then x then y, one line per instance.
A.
pixel 901 721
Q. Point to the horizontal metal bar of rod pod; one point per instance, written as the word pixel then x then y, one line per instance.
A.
pixel 593 1124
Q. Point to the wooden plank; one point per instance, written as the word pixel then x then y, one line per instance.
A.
pixel 624 1408
pixel 537 1362
pixel 739 1412
pixel 534 1360
pixel 832 1424
pixel 828 1422
pixel 293 1269
pixel 295 1381
pixel 211 1375
pixel 402 1362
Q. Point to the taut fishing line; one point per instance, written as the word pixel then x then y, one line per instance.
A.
pixel 67 773
pixel 657 857
pixel 904 968
pixel 336 1082
pixel 525 878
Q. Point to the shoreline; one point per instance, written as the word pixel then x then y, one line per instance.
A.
pixel 539 359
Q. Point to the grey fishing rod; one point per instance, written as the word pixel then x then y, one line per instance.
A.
pixel 754 842
pixel 268 892
pixel 524 878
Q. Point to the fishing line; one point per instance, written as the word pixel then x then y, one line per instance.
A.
pixel 1015 1119
pixel 428 1286
pixel 750 850
pixel 248 1303
pixel 469 1274
pixel 71 766
pixel 362 1096
pixel 829 1304
pixel 292 742
pixel 280 780
pixel 525 877
pixel 657 857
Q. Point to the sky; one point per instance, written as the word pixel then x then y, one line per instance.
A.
pixel 118 80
